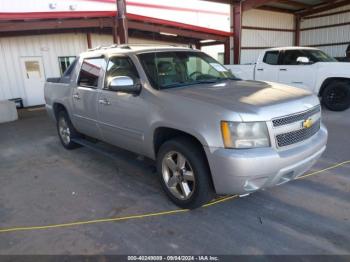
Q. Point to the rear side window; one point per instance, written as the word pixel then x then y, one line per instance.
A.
pixel 271 57
pixel 90 72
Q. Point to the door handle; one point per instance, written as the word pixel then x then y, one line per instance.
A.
pixel 104 102
pixel 76 96
pixel 260 69
pixel 283 69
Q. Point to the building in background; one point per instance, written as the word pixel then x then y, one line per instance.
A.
pixel 41 39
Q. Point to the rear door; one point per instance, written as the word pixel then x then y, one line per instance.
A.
pixel 295 74
pixel 267 70
pixel 85 95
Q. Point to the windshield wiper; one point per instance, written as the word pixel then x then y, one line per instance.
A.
pixel 179 84
pixel 230 78
pixel 207 81
pixel 215 80
pixel 204 81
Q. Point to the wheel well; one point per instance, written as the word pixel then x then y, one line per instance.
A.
pixel 163 134
pixel 330 80
pixel 57 107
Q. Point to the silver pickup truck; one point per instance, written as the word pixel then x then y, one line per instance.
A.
pixel 208 131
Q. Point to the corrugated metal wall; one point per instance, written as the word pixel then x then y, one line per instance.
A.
pixel 49 48
pixel 101 40
pixel 253 40
pixel 330 35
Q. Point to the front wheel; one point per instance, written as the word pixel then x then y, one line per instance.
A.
pixel 184 173
pixel 336 96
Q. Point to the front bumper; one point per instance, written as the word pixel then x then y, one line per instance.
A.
pixel 242 171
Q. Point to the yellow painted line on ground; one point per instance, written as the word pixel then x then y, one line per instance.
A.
pixel 220 200
pixel 324 170
pixel 156 214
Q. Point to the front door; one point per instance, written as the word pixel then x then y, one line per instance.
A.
pixel 34 79
pixel 302 76
pixel 122 116
pixel 293 73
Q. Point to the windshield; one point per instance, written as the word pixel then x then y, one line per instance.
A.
pixel 318 56
pixel 182 68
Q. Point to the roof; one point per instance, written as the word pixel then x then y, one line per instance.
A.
pixel 302 8
pixel 293 6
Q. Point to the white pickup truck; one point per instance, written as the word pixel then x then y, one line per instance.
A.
pixel 307 68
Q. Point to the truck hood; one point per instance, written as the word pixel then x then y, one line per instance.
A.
pixel 335 67
pixel 253 100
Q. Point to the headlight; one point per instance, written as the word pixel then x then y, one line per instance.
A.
pixel 245 134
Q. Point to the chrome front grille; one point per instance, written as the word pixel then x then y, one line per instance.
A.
pixel 290 129
pixel 295 118
pixel 298 135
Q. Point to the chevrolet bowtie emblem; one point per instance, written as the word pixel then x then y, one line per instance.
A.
pixel 307 123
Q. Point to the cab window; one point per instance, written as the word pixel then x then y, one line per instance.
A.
pixel 91 71
pixel 290 57
pixel 271 57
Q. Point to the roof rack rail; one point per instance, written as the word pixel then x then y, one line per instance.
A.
pixel 93 49
pixel 127 46
pixel 102 47
pixel 148 45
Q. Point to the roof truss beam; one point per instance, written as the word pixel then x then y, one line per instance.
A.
pixel 250 4
pixel 327 5
pixel 246 4
pixel 304 9
pixel 294 4
pixel 275 9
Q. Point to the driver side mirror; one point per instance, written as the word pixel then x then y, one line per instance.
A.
pixel 303 60
pixel 124 84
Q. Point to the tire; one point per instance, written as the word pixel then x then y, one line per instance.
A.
pixel 192 169
pixel 336 96
pixel 66 130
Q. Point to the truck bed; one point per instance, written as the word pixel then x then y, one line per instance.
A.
pixel 56 91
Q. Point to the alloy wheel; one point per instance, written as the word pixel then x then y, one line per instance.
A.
pixel 178 175
pixel 64 130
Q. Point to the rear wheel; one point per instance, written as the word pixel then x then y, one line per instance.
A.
pixel 184 173
pixel 66 130
pixel 336 96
